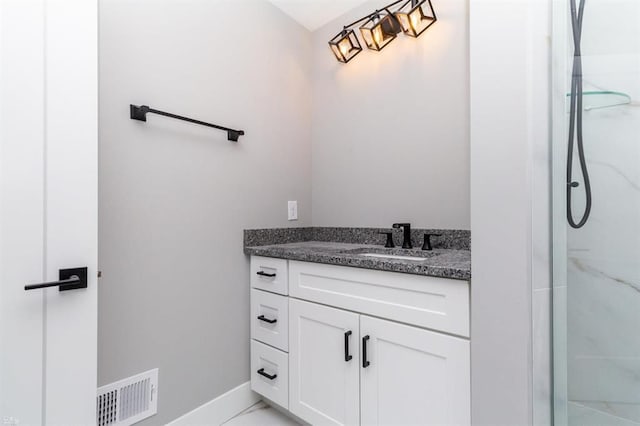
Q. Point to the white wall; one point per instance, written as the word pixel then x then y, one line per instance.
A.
pixel 391 128
pixel 174 197
pixel 510 84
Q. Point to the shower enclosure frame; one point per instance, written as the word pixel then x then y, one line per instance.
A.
pixel 560 63
pixel 581 388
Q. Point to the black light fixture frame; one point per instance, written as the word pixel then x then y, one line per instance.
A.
pixel 418 3
pixel 335 41
pixel 140 113
pixel 389 24
pixel 392 16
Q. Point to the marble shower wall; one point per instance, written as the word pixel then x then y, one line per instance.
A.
pixel 603 258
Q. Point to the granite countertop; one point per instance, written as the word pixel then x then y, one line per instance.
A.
pixel 440 262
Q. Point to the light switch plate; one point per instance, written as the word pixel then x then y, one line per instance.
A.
pixel 292 210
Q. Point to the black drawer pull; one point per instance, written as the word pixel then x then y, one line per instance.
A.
pixel 347 357
pixel 265 274
pixel 267 375
pixel 265 319
pixel 365 363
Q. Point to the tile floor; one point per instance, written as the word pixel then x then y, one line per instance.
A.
pixel 261 414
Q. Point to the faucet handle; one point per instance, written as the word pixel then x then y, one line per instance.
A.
pixel 427 241
pixel 389 243
pixel 401 225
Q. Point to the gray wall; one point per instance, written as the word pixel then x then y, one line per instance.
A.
pixel 174 198
pixel 391 128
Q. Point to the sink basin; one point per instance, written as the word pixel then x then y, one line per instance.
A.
pixel 393 253
pixel 393 256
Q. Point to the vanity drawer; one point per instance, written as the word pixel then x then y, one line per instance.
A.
pixel 270 319
pixel 269 274
pixel 270 373
pixel 437 303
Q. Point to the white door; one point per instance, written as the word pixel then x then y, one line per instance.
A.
pixel 414 376
pixel 324 364
pixel 48 210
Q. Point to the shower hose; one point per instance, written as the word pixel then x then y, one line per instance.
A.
pixel 575 120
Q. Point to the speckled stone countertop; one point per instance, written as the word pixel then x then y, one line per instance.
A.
pixel 454 263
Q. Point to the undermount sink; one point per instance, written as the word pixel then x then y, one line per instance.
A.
pixel 394 256
pixel 393 253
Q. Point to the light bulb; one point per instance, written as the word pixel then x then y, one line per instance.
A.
pixel 377 35
pixel 415 20
pixel 344 46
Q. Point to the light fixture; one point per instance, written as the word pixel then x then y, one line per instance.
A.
pixel 345 45
pixel 382 26
pixel 413 19
pixel 380 29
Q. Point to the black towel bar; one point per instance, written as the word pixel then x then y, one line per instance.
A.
pixel 140 113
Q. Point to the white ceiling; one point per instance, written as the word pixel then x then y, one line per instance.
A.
pixel 313 14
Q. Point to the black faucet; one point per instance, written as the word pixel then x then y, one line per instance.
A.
pixel 406 227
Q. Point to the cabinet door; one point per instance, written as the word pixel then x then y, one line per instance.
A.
pixel 323 374
pixel 413 376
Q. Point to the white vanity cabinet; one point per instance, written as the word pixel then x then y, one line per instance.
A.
pixel 413 376
pixel 364 347
pixel 324 388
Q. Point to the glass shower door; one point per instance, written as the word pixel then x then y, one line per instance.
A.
pixel 596 270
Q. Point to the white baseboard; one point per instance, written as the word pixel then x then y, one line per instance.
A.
pixel 221 409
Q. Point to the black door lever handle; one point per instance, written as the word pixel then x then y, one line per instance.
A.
pixel 69 279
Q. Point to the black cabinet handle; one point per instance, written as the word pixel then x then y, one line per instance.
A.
pixel 265 319
pixel 267 375
pixel 347 357
pixel 365 363
pixel 265 274
pixel 69 279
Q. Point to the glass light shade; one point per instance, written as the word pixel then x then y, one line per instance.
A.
pixel 345 46
pixel 415 17
pixel 380 30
